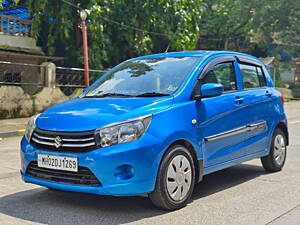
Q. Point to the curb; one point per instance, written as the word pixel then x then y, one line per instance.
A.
pixel 12 133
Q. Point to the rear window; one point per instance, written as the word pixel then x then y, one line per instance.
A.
pixel 253 76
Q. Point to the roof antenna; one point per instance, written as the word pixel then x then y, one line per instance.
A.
pixel 177 30
pixel 167 49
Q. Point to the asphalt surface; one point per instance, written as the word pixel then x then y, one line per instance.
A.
pixel 242 195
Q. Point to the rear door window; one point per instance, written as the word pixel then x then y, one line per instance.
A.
pixel 253 76
pixel 261 77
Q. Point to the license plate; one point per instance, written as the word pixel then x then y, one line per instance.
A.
pixel 58 162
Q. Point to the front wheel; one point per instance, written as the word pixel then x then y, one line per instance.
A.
pixel 275 160
pixel 176 179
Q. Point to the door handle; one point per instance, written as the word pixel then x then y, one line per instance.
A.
pixel 238 100
pixel 268 94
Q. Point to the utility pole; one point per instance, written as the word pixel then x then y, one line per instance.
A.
pixel 83 15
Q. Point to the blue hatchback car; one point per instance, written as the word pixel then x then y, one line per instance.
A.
pixel 156 125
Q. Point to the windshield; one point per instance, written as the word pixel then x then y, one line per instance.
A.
pixel 145 78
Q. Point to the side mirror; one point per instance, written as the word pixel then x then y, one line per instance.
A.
pixel 210 90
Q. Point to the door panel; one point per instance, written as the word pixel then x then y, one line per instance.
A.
pixel 258 107
pixel 258 100
pixel 221 121
pixel 222 128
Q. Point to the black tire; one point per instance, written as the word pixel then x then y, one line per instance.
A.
pixel 161 197
pixel 55 190
pixel 269 162
pixel 52 189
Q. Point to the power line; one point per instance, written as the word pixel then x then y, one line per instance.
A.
pixel 174 36
pixel 150 32
pixel 131 27
pixel 118 23
pixel 71 4
pixel 241 38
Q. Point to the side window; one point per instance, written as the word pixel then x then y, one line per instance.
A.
pixel 253 76
pixel 222 73
pixel 261 77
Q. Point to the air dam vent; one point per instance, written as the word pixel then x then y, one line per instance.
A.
pixel 83 177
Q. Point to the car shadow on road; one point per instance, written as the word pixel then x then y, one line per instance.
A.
pixel 54 207
pixel 227 178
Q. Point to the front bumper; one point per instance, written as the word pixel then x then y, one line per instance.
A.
pixel 142 155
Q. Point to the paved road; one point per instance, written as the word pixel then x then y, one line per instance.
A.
pixel 241 195
pixel 9 125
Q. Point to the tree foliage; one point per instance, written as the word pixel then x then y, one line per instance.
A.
pixel 278 21
pixel 252 26
pixel 242 25
pixel 226 24
pixel 110 38
pixel 10 2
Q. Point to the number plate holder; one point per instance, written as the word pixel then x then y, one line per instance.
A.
pixel 58 162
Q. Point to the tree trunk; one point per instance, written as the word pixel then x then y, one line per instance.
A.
pixel 226 44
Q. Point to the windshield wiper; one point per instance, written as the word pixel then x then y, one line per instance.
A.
pixel 109 95
pixel 152 94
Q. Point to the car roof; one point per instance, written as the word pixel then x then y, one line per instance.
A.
pixel 198 53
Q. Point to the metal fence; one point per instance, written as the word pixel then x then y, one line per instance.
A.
pixel 28 76
pixel 31 76
pixel 15 26
pixel 68 79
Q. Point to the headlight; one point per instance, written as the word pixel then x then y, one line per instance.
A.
pixel 123 132
pixel 30 127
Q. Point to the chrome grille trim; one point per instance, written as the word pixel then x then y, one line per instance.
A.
pixel 43 137
pixel 81 139
pixel 42 142
pixel 79 145
pixel 63 141
pixel 63 145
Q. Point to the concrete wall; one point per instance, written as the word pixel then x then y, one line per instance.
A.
pixel 287 93
pixel 14 102
pixel 287 74
pixel 20 43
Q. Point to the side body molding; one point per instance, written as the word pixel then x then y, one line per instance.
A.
pixel 239 130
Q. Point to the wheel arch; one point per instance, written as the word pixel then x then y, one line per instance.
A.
pixel 197 162
pixel 282 126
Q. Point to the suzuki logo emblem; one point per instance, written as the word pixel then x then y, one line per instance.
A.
pixel 57 142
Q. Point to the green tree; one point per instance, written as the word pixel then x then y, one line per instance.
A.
pixel 251 26
pixel 111 40
pixel 277 22
pixel 226 24
pixel 241 25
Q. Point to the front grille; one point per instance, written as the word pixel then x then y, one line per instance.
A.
pixel 83 177
pixel 76 142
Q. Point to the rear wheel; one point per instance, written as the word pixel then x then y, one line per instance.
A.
pixel 176 179
pixel 275 160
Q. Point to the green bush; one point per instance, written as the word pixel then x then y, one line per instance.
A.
pixel 281 84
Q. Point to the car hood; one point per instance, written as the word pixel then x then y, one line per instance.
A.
pixel 82 114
